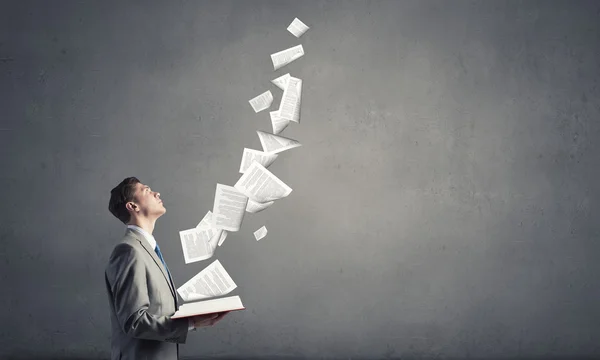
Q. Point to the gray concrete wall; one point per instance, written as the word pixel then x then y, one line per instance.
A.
pixel 445 198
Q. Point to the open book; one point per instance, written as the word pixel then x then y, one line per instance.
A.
pixel 230 303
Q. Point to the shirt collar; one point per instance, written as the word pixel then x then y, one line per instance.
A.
pixel 151 240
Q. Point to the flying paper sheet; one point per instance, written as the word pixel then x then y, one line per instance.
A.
pixel 289 108
pixel 260 233
pixel 253 207
pixel 210 282
pixel 250 155
pixel 277 122
pixel 281 82
pixel 261 185
pixel 284 57
pixel 223 236
pixel 214 240
pixel 262 101
pixel 297 27
pixel 229 208
pixel 214 235
pixel 206 221
pixel 275 143
pixel 195 245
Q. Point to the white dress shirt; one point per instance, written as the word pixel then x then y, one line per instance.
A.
pixel 152 241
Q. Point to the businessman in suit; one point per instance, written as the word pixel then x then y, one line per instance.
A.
pixel 140 288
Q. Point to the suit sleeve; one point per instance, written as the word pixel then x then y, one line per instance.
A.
pixel 126 275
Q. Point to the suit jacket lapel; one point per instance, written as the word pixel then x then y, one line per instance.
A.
pixel 156 259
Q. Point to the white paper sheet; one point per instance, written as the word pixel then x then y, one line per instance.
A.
pixel 253 207
pixel 281 82
pixel 297 28
pixel 260 233
pixel 275 143
pixel 262 101
pixel 229 208
pixel 284 57
pixel 206 221
pixel 291 101
pixel 277 122
pixel 223 237
pixel 250 155
pixel 210 282
pixel 261 185
pixel 195 245
pixel 215 235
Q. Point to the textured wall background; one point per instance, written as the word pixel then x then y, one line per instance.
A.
pixel 445 198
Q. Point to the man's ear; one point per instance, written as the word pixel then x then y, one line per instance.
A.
pixel 130 206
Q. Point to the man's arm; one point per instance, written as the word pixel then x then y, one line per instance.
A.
pixel 126 275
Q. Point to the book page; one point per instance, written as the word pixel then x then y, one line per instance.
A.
pixel 195 245
pixel 211 306
pixel 277 122
pixel 284 57
pixel 210 282
pixel 229 208
pixel 250 155
pixel 275 143
pixel 262 101
pixel 297 28
pixel 281 82
pixel 261 185
pixel 291 101
pixel 253 207
pixel 260 233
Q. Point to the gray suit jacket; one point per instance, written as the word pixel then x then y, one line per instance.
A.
pixel 142 301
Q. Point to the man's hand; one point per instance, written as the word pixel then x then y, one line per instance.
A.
pixel 208 320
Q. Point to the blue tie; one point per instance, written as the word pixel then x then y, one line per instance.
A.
pixel 157 251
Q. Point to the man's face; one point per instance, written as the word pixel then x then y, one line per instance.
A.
pixel 148 202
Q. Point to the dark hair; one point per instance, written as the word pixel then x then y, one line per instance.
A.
pixel 121 195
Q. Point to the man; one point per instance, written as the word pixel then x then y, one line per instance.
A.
pixel 140 288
